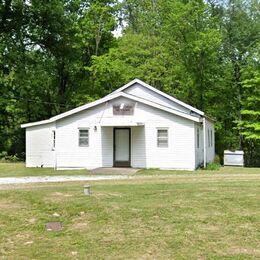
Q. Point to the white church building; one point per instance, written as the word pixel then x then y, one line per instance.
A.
pixel 136 126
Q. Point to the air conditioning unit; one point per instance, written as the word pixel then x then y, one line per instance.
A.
pixel 233 158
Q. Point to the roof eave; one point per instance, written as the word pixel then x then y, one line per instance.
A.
pixel 106 99
pixel 36 123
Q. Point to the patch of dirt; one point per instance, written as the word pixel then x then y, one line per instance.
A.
pixel 62 194
pixel 5 204
pixel 28 243
pixel 135 210
pixel 240 250
pixel 74 253
pixel 58 196
pixel 32 220
pixel 80 222
pixel 22 236
pixel 79 225
pixel 106 194
pixel 111 234
pixel 115 206
pixel 211 228
pixel 155 252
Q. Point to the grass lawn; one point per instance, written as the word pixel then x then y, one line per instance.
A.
pixel 196 216
pixel 19 170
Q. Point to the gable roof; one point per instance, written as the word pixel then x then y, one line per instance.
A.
pixel 158 92
pixel 111 97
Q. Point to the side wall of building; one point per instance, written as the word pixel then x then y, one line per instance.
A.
pixel 179 154
pixel 99 120
pixel 199 142
pixel 68 152
pixel 39 146
pixel 199 148
pixel 210 140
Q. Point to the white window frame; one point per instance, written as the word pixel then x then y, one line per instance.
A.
pixel 162 138
pixel 53 139
pixel 211 137
pixel 80 129
pixel 208 138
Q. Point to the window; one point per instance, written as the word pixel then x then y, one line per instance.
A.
pixel 53 139
pixel 211 138
pixel 83 137
pixel 198 138
pixel 208 139
pixel 162 137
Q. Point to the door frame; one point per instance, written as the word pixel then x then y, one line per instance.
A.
pixel 125 163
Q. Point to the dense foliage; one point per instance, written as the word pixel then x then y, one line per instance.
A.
pixel 58 54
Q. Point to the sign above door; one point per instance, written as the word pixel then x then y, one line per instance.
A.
pixel 123 109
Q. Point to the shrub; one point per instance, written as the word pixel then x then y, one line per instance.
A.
pixel 216 159
pixel 213 167
pixel 4 157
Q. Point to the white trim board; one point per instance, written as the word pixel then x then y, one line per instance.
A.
pixel 108 98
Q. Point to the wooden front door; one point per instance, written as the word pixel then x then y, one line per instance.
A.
pixel 122 147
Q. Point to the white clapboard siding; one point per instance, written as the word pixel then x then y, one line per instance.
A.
pixel 210 147
pixel 39 146
pixel 199 157
pixel 181 153
pixel 138 147
pixel 107 146
pixel 142 92
pixel 68 152
pixel 145 153
pixel 144 150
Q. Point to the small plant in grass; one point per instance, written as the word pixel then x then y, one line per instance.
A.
pixel 4 157
pixel 213 167
pixel 3 154
pixel 216 159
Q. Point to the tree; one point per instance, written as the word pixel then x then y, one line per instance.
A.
pixel 136 56
pixel 250 123
pixel 241 27
pixel 42 59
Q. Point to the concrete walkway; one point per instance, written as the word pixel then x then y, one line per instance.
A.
pixel 115 170
pixel 36 179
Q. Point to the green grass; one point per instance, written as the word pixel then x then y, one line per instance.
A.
pixel 184 216
pixel 19 170
pixel 221 170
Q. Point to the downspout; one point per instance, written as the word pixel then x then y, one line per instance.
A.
pixel 204 143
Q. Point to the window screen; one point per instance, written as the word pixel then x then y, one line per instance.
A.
pixel 208 139
pixel 198 138
pixel 162 137
pixel 53 139
pixel 83 137
pixel 211 138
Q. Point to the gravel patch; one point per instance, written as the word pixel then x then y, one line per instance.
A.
pixel 39 179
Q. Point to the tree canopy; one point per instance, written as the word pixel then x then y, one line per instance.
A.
pixel 56 55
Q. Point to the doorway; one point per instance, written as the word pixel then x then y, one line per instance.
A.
pixel 122 147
